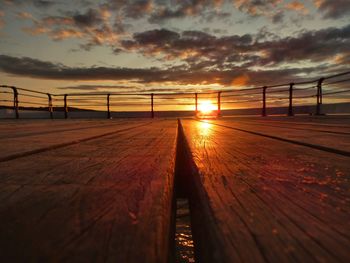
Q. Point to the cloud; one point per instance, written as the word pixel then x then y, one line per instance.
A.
pixel 24 15
pixel 272 9
pixel 88 19
pixel 94 26
pixel 240 80
pixel 43 3
pixel 28 67
pixel 315 46
pixel 37 3
pixel 181 9
pixel 2 21
pixel 138 9
pixel 134 9
pixel 297 6
pixel 47 70
pixel 189 46
pixel 115 88
pixel 201 50
pixel 256 7
pixel 278 17
pixel 140 89
pixel 333 8
pixel 61 34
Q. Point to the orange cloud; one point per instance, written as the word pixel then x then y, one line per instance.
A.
pixel 34 31
pixel 65 33
pixel 297 6
pixel 24 15
pixel 57 21
pixel 318 3
pixel 240 80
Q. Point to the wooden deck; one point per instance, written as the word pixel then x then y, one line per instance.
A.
pixel 105 199
pixel 263 199
pixel 261 190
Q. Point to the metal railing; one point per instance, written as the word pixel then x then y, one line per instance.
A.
pixel 316 88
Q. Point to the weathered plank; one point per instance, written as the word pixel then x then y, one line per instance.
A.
pixel 103 200
pixel 263 200
pixel 327 126
pixel 21 129
pixel 330 120
pixel 335 137
pixel 32 139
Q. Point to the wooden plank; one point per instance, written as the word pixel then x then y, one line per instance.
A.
pixel 325 127
pixel 325 121
pixel 104 200
pixel 340 140
pixel 262 200
pixel 42 127
pixel 19 125
pixel 44 139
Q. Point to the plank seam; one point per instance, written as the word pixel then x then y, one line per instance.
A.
pixel 310 145
pixel 56 131
pixel 57 146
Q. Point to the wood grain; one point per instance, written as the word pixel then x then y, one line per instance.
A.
pixel 264 200
pixel 104 200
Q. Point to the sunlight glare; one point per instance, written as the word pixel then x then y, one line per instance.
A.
pixel 204 128
pixel 206 107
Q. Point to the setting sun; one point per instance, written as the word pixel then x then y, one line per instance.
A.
pixel 206 107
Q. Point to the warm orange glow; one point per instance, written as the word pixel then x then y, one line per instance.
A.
pixel 204 128
pixel 206 107
pixel 240 81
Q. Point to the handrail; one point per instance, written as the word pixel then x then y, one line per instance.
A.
pixel 154 99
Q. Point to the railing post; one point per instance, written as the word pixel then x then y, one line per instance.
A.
pixel 50 105
pixel 108 111
pixel 290 108
pixel 15 101
pixel 65 106
pixel 196 102
pixel 319 96
pixel 152 111
pixel 264 102
pixel 219 103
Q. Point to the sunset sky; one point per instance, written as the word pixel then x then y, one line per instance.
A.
pixel 150 46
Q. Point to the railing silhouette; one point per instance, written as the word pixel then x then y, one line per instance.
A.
pixel 107 100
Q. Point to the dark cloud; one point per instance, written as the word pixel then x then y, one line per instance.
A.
pixel 180 9
pixel 88 19
pixel 116 88
pixel 191 46
pixel 256 7
pixel 28 67
pixel 138 8
pixel 315 46
pixel 36 3
pixel 122 89
pixel 202 50
pixel 134 9
pixel 278 17
pixel 94 26
pixel 334 8
pixel 40 69
pixel 158 37
pixel 43 3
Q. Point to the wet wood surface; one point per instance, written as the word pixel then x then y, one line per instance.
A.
pixel 107 199
pixel 260 199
